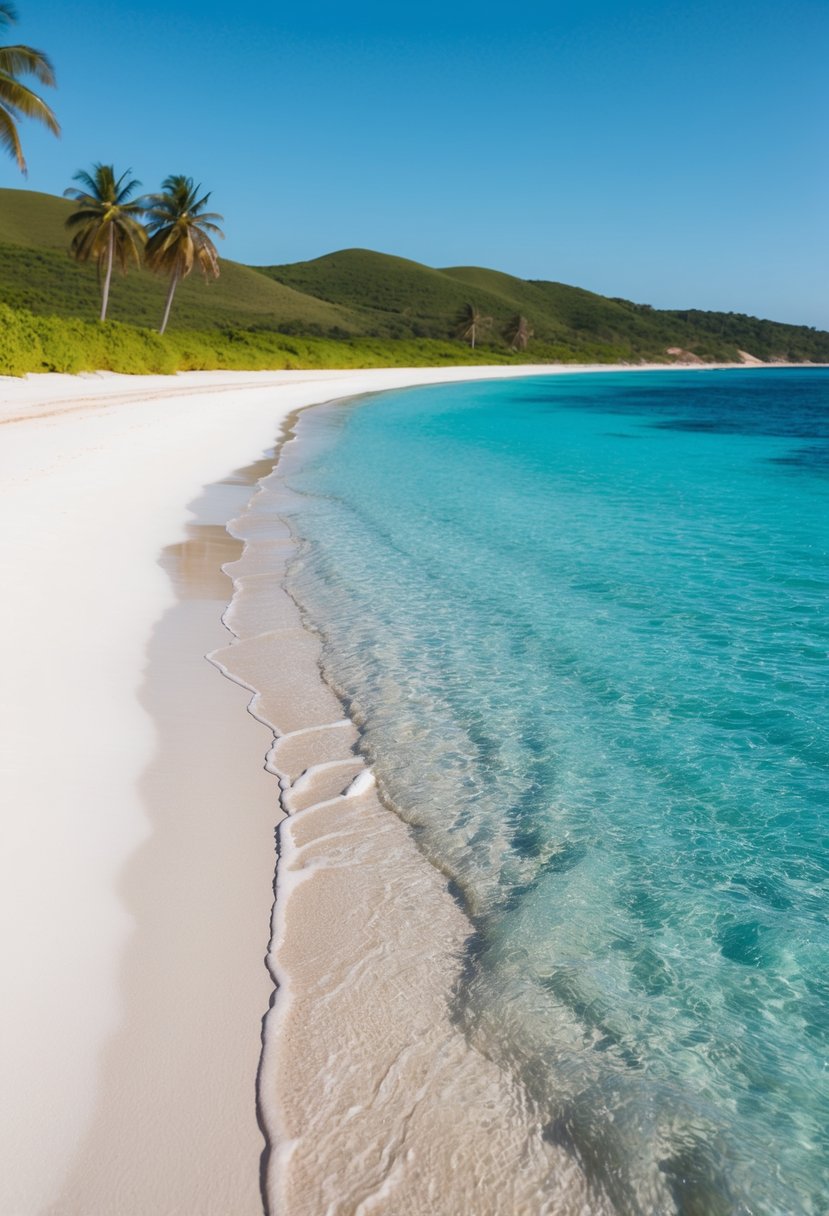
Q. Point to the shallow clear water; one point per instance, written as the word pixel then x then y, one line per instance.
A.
pixel 582 623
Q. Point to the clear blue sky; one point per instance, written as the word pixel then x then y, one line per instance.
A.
pixel 672 153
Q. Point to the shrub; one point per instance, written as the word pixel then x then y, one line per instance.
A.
pixel 32 343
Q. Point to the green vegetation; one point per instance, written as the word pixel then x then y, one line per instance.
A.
pixel 37 273
pixel 398 298
pixel 55 344
pixel 17 99
pixel 106 224
pixel 178 232
pixel 349 309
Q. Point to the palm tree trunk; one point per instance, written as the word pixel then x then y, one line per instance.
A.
pixel 171 290
pixel 108 276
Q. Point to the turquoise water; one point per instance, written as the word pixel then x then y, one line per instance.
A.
pixel 582 623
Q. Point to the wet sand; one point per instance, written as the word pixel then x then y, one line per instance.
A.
pixel 370 1097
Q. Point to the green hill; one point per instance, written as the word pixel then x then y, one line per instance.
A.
pixel 399 298
pixel 37 273
pixel 358 294
pixel 402 298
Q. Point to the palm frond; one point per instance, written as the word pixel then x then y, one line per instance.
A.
pixel 18 97
pixel 103 186
pixel 83 215
pixel 86 179
pixel 89 242
pixel 29 62
pixel 198 204
pixel 122 191
pixel 135 207
pixel 16 100
pixel 9 139
pixel 130 248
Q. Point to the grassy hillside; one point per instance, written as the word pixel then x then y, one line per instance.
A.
pixel 389 291
pixel 407 298
pixel 357 294
pixel 37 273
pixel 569 323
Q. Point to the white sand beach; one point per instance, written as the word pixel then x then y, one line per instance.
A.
pixel 138 823
pixel 138 826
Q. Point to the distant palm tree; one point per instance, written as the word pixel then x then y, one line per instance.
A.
pixel 178 228
pixel 471 324
pixel 518 333
pixel 108 224
pixel 17 100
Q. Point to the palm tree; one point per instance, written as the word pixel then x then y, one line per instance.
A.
pixel 178 228
pixel 17 100
pixel 470 324
pixel 518 333
pixel 108 224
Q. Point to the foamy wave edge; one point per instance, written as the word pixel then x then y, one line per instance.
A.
pixel 369 1098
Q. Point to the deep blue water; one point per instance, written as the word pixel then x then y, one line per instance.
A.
pixel 582 622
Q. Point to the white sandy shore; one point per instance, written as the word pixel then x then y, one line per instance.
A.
pixel 137 848
pixel 96 474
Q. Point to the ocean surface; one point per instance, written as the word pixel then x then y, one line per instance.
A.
pixel 582 623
